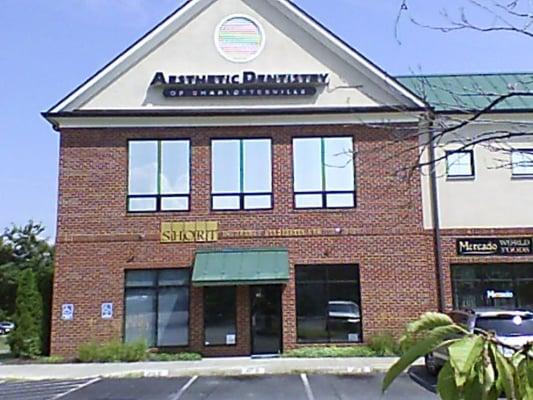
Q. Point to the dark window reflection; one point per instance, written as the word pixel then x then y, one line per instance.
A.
pixel 504 286
pixel 328 303
pixel 219 315
pixel 157 307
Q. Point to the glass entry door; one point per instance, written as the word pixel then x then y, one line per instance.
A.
pixel 266 319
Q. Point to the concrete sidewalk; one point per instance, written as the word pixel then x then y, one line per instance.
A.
pixel 207 367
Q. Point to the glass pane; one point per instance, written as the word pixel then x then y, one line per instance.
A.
pixel 339 164
pixel 311 310
pixel 459 164
pixel 307 165
pixel 219 314
pixel 226 166
pixel 226 203
pixel 344 313
pixel 257 202
pixel 524 292
pixel 142 167
pixel 311 273
pixel 340 200
pixel 175 167
pixel 141 278
pixel 308 201
pixel 343 273
pixel 142 204
pixel 173 317
pixel 174 203
pixel 140 316
pixel 174 277
pixel 257 166
pixel 522 162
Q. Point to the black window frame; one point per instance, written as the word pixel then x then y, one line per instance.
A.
pixel 156 288
pixel 243 195
pixel 160 197
pixel 235 310
pixel 327 283
pixel 324 193
pixel 521 175
pixel 472 165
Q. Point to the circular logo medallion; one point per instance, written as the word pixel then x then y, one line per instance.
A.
pixel 239 38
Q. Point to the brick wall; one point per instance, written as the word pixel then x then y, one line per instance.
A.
pixel 98 239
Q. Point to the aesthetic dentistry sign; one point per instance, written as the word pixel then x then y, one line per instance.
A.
pixel 247 84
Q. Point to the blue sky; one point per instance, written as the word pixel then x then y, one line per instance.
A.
pixel 49 47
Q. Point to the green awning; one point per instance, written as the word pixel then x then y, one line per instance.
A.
pixel 241 267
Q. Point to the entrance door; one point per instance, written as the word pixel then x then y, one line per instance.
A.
pixel 266 319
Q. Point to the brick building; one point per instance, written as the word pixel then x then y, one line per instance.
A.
pixel 231 184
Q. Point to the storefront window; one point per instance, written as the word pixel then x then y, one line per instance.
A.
pixel 328 303
pixel 460 164
pixel 505 286
pixel 324 172
pixel 158 175
pixel 157 307
pixel 241 174
pixel 220 316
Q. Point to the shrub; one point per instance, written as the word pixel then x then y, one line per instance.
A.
pixel 52 360
pixel 114 351
pixel 384 345
pixel 331 352
pixel 25 340
pixel 175 357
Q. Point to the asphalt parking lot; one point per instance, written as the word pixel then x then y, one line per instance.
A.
pixel 290 387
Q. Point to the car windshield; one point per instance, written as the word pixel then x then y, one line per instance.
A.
pixel 346 308
pixel 507 325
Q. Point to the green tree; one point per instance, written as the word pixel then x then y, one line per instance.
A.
pixel 476 369
pixel 21 248
pixel 25 341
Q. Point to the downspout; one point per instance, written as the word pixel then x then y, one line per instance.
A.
pixel 435 214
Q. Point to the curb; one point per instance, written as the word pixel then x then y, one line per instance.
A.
pixel 208 372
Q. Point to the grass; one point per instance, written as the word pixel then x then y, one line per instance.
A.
pixel 331 352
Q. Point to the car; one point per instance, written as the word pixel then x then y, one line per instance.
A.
pixel 512 327
pixel 345 310
pixel 6 327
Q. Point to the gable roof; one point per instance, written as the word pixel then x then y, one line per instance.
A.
pixel 187 13
pixel 473 92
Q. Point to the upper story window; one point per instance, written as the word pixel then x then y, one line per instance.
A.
pixel 460 164
pixel 522 162
pixel 241 174
pixel 324 172
pixel 159 175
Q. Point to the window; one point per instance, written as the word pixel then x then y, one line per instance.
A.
pixel 159 175
pixel 504 286
pixel 157 307
pixel 328 303
pixel 460 164
pixel 241 174
pixel 324 172
pixel 219 316
pixel 522 162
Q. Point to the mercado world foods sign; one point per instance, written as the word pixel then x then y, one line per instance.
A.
pixel 495 246
pixel 245 84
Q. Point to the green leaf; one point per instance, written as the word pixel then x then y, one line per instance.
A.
pixel 505 373
pixel 463 355
pixel 432 340
pixel 525 379
pixel 446 386
pixel 429 321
